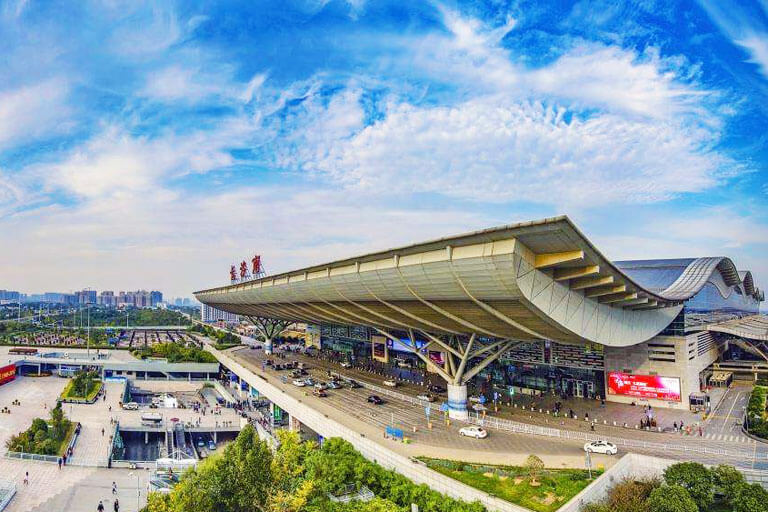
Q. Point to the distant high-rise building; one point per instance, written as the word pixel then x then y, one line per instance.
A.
pixel 178 302
pixel 107 299
pixel 53 297
pixel 86 296
pixel 209 314
pixel 187 302
pixel 155 298
pixel 8 296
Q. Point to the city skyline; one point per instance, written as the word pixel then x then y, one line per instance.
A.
pixel 170 141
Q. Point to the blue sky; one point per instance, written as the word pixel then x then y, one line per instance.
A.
pixel 151 144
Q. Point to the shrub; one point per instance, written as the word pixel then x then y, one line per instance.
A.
pixel 750 498
pixel 534 465
pixel 696 479
pixel 626 496
pixel 671 498
pixel 727 480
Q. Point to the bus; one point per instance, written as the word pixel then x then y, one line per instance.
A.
pixel 23 351
pixel 152 419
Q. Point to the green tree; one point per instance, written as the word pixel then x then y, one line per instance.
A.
pixel 157 502
pixel 671 498
pixel 696 479
pixel 750 498
pixel 727 480
pixel 534 465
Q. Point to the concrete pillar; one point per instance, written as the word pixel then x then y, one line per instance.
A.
pixel 215 436
pixel 146 437
pixel 189 376
pixel 457 401
pixel 294 425
pixel 267 346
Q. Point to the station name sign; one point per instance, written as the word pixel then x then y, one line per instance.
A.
pixel 644 386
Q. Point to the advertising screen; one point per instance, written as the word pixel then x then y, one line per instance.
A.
pixel 379 349
pixel 7 373
pixel 644 386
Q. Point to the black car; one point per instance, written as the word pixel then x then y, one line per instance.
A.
pixel 354 384
pixel 375 399
pixel 436 389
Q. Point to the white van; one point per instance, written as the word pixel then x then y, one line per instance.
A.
pixel 131 406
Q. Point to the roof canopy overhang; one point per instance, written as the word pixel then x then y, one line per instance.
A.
pixel 533 280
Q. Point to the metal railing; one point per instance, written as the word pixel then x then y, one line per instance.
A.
pixel 7 492
pixel 524 428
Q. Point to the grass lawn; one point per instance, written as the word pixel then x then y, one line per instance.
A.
pixel 67 393
pixel 67 438
pixel 511 483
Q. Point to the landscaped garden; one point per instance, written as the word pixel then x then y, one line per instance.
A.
pixel 222 339
pixel 686 487
pixel 297 477
pixel 531 485
pixel 44 437
pixel 84 386
pixel 757 416
pixel 175 353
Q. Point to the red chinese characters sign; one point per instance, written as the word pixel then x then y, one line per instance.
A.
pixel 644 386
pixel 7 373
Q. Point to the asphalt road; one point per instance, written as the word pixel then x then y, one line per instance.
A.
pixel 353 403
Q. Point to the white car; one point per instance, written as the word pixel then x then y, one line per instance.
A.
pixel 426 398
pixel 479 407
pixel 390 383
pixel 299 383
pixel 346 364
pixel 601 447
pixel 321 386
pixel 131 406
pixel 473 431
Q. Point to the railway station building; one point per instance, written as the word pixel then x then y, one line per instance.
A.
pixel 530 308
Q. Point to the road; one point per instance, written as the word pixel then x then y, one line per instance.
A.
pixel 500 445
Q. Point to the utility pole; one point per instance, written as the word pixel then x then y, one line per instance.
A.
pixel 88 337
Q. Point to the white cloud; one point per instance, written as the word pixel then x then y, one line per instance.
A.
pixel 757 45
pixel 34 110
pixel 115 163
pixel 491 149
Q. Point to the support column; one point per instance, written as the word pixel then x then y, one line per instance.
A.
pixel 267 346
pixel 146 437
pixel 457 401
pixel 294 425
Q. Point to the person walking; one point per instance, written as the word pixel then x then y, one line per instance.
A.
pixel 116 506
pixel 114 488
pixel 26 478
pixel 100 508
pixel 59 462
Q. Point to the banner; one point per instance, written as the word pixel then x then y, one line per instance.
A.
pixel 379 350
pixel 7 373
pixel 644 386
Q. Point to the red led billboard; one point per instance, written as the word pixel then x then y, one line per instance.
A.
pixel 7 373
pixel 644 386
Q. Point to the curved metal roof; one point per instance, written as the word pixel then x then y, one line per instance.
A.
pixel 681 279
pixel 532 280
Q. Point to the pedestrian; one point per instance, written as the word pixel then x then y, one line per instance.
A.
pixel 114 488
pixel 117 505
pixel 674 426
pixel 64 460
pixel 100 508
pixel 59 462
pixel 26 478
pixel 102 431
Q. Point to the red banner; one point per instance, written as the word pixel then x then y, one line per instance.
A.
pixel 7 373
pixel 644 386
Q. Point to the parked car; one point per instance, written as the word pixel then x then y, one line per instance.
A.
pixel 296 374
pixel 436 389
pixel 353 384
pixel 375 399
pixel 346 364
pixel 200 442
pixel 426 397
pixel 391 383
pixel 299 383
pixel 131 406
pixel 211 445
pixel 601 447
pixel 322 386
pixel 319 392
pixel 309 382
pixel 334 385
pixel 473 431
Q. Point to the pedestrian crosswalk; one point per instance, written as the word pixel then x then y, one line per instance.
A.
pixel 729 438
